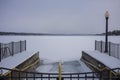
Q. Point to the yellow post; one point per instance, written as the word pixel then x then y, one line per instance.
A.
pixel 60 71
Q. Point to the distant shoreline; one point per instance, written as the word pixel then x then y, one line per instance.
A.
pixel 52 35
pixel 47 34
pixel 40 34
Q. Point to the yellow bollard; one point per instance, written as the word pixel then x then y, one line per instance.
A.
pixel 60 71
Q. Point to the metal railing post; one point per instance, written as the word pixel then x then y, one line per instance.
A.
pixel 12 48
pixel 100 75
pixel 25 45
pixel 33 76
pixel 41 76
pixel 101 46
pixel 119 51
pixel 20 46
pixel 95 44
pixel 0 52
pixel 109 49
pixel 19 75
pixel 26 75
pixel 85 76
pixel 11 75
pixel 78 77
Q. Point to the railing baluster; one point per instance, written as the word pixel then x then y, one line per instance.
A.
pixel 20 46
pixel 25 45
pixel 78 76
pixel 0 52
pixel 109 49
pixel 12 48
pixel 85 76
pixel 11 75
pixel 48 76
pixel 95 45
pixel 26 75
pixel 101 47
pixel 118 51
pixel 93 75
pixel 41 76
pixel 19 75
pixel 33 76
pixel 70 76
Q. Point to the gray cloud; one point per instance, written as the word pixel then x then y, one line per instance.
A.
pixel 63 16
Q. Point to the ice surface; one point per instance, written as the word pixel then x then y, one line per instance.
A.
pixel 75 66
pixel 53 48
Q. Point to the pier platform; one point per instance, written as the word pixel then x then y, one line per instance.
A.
pixel 24 61
pixel 100 62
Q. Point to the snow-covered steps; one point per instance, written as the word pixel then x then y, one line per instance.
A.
pixel 98 61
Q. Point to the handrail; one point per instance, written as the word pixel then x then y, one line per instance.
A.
pixel 42 72
pixel 85 75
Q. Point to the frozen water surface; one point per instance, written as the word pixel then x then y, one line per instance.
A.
pixel 67 67
pixel 56 48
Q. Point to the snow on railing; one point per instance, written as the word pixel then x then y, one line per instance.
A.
pixel 113 48
pixel 9 49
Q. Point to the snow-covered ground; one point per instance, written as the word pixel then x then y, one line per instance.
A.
pixel 55 48
pixel 58 48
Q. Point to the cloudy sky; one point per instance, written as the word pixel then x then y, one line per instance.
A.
pixel 58 16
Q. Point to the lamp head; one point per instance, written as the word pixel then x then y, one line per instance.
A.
pixel 107 14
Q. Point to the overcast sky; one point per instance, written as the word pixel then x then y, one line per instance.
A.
pixel 58 16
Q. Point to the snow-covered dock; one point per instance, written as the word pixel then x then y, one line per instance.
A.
pixel 108 61
pixel 100 62
pixel 18 61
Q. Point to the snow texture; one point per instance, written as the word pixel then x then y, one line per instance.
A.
pixel 67 67
pixel 12 61
pixel 107 60
pixel 54 49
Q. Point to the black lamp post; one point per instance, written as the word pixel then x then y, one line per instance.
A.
pixel 106 34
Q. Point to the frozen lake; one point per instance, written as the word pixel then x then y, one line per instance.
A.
pixel 57 48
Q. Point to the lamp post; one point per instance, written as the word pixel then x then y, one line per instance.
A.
pixel 106 34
